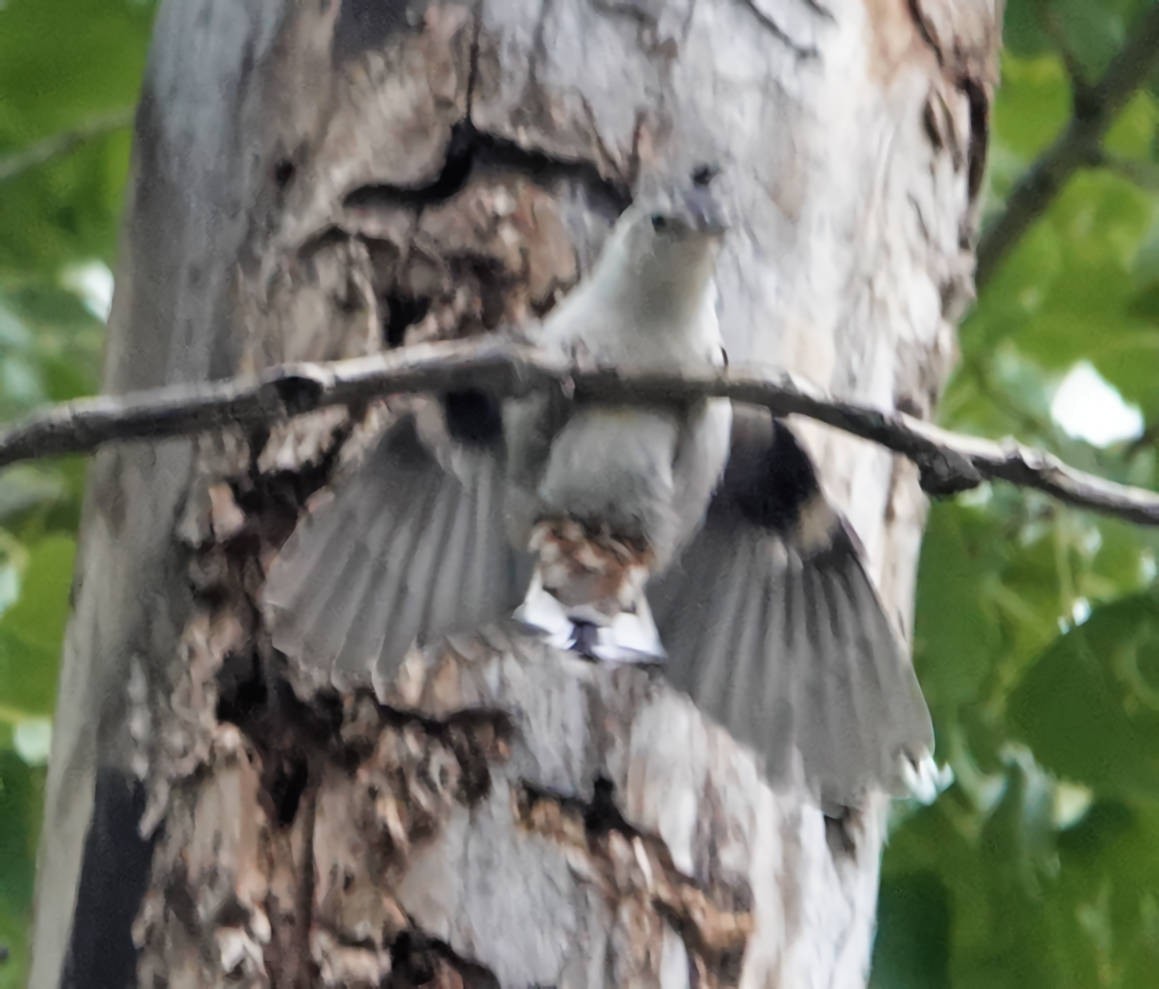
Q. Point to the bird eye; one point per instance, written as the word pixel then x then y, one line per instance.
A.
pixel 659 222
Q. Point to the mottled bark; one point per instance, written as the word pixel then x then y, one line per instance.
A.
pixel 325 179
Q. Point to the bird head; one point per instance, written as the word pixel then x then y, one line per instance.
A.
pixel 668 237
pixel 688 211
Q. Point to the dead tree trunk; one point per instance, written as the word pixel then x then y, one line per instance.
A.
pixel 325 179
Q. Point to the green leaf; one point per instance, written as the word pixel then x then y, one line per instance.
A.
pixel 25 487
pixel 1110 865
pixel 1089 705
pixel 32 630
pixel 912 948
pixel 40 614
pixel 1077 288
pixel 68 208
pixel 956 636
pixel 21 796
pixel 1093 31
pixel 1035 104
pixel 1022 31
pixel 1132 135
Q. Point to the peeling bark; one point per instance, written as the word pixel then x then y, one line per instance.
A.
pixel 392 172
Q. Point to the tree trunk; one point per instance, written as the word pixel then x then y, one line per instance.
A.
pixel 326 179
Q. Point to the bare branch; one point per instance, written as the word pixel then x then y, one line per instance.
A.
pixel 1095 108
pixel 948 462
pixel 1051 21
pixel 42 152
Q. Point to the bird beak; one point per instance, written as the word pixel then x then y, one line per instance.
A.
pixel 705 213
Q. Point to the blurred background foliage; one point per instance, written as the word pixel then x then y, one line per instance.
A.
pixel 66 67
pixel 1037 629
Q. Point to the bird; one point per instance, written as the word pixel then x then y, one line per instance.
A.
pixel 683 533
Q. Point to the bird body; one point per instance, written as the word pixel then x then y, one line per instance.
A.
pixel 649 302
pixel 677 531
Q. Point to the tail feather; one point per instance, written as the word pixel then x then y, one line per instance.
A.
pixel 627 637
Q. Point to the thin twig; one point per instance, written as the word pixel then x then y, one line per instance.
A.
pixel 1051 22
pixel 1095 108
pixel 42 152
pixel 948 462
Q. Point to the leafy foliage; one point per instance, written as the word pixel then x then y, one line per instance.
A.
pixel 1037 631
pixel 1037 627
pixel 62 63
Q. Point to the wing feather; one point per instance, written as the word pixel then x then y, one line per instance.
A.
pixel 796 656
pixel 406 549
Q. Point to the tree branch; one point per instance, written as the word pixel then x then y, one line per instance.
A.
pixel 948 462
pixel 42 152
pixel 1095 108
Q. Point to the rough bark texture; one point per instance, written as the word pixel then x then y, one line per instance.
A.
pixel 320 180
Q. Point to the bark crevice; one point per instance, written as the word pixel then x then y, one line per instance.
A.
pixel 769 23
pixel 629 865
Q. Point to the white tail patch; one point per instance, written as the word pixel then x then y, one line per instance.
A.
pixel 623 638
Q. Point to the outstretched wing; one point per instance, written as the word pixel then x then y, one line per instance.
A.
pixel 414 545
pixel 773 626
